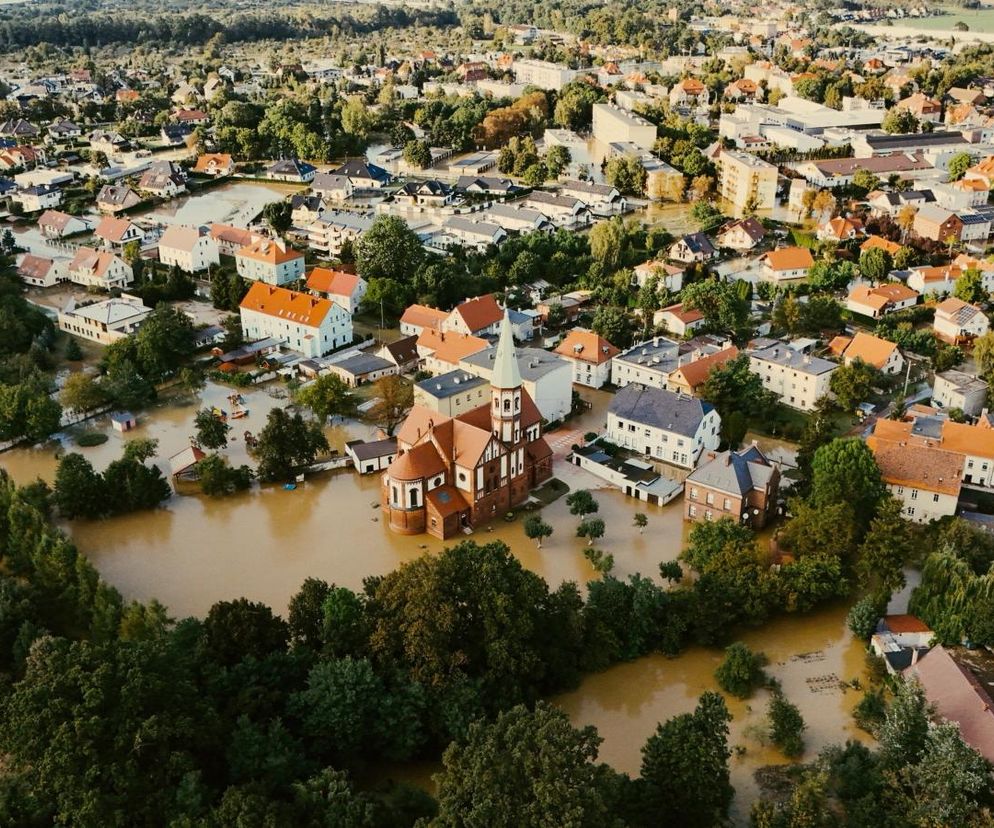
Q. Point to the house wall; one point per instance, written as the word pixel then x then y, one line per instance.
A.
pixel 280 274
pixel 670 447
pixel 794 388
pixel 334 332
pixel 921 505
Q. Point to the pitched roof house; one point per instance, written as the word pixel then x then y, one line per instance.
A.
pixel 882 354
pixel 742 485
pixel 590 355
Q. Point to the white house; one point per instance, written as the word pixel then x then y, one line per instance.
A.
pixel 329 233
pixel 55 224
pixel 956 389
pixel 269 261
pixel 345 289
pixel 100 269
pixel 104 322
pixel 786 264
pixel 590 355
pixel 188 249
pixel 798 379
pixel 957 321
pixel 669 277
pixel 677 320
pixel 42 197
pixel 674 428
pixel 304 323
pixel 117 232
pixel 38 271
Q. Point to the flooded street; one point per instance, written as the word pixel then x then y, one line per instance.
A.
pixel 236 202
pixel 808 654
pixel 262 544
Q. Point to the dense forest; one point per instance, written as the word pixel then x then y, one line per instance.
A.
pixel 70 26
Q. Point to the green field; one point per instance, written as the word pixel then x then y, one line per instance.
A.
pixel 979 20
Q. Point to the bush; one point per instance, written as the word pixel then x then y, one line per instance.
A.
pixel 786 725
pixel 741 672
pixel 863 617
pixel 870 711
pixel 88 439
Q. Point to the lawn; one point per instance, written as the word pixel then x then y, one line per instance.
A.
pixel 802 238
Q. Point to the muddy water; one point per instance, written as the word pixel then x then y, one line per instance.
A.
pixel 262 544
pixel 809 655
pixel 237 203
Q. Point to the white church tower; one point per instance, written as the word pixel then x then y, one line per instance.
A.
pixel 505 389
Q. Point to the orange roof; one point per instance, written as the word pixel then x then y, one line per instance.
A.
pixel 941 273
pixel 233 235
pixel 905 624
pixel 688 317
pixel 965 262
pixel 871 349
pixel 450 346
pixel 423 316
pixel 416 463
pixel 587 346
pixel 480 313
pixel 301 308
pixel 112 229
pixel 267 250
pixel 336 282
pixel 881 295
pixel 789 258
pixel 841 227
pixel 968 439
pixel 882 243
pixel 924 467
pixel 863 295
pixel 696 372
pixel 692 86
pixel 210 160
pixel 446 500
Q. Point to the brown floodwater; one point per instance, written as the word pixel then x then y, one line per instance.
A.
pixel 262 544
pixel 809 654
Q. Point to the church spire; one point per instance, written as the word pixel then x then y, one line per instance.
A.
pixel 506 373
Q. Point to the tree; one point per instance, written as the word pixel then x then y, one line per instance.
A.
pixel 671 571
pixel 888 546
pixel 865 180
pixel 875 264
pixel 824 203
pixel 627 174
pixel 81 392
pixel 285 443
pixel 163 342
pixel 235 630
pixel 723 308
pixel 899 120
pixel 786 725
pixel 525 768
pixel 279 216
pixel 417 154
pixel 863 617
pixel 958 165
pixel 853 383
pixel 685 775
pixel 218 477
pixel 739 395
pixel 79 490
pixel 640 521
pixel 591 529
pixel 983 354
pixel 212 431
pixel 614 324
pixel 327 396
pixel 536 529
pixel 741 671
pixel 844 471
pixel 903 734
pixel 73 352
pixel 832 275
pixel 599 560
pixel 394 398
pixel 582 503
pixel 906 220
pixel 970 287
pixel 607 243
pixel 389 249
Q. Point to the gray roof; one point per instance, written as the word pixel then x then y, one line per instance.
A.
pixel 363 364
pixel 533 363
pixel 963 381
pixel 374 449
pixel 658 354
pixel 329 181
pixel 657 408
pixel 735 472
pixel 928 427
pixel 479 228
pixel 452 382
pixel 784 355
pixel 355 221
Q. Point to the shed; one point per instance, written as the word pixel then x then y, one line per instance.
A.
pixel 123 421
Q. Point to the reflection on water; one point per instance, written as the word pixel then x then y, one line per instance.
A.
pixel 262 544
pixel 808 654
pixel 235 202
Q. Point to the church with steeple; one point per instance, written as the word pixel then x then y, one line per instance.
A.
pixel 453 474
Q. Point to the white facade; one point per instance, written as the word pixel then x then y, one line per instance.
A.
pixel 612 124
pixel 799 380
pixel 189 251
pixel 542 74
pixel 923 506
pixel 668 446
pixel 333 331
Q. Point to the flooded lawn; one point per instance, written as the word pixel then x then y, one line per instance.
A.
pixel 236 202
pixel 808 654
pixel 262 544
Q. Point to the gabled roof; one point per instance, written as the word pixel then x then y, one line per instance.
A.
pixel 301 308
pixel 879 241
pixel 480 312
pixel 661 409
pixel 361 169
pixel 871 349
pixel 34 267
pixel 735 472
pixel 423 316
pixel 267 250
pixel 696 373
pixel 113 229
pixel 789 258
pixel 178 237
pixel 334 282
pixel 587 346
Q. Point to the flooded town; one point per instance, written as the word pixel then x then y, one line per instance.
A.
pixel 422 415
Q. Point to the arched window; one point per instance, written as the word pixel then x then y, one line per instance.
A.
pixel 507 404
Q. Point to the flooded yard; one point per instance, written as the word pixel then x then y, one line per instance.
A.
pixel 262 544
pixel 237 203
pixel 809 655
